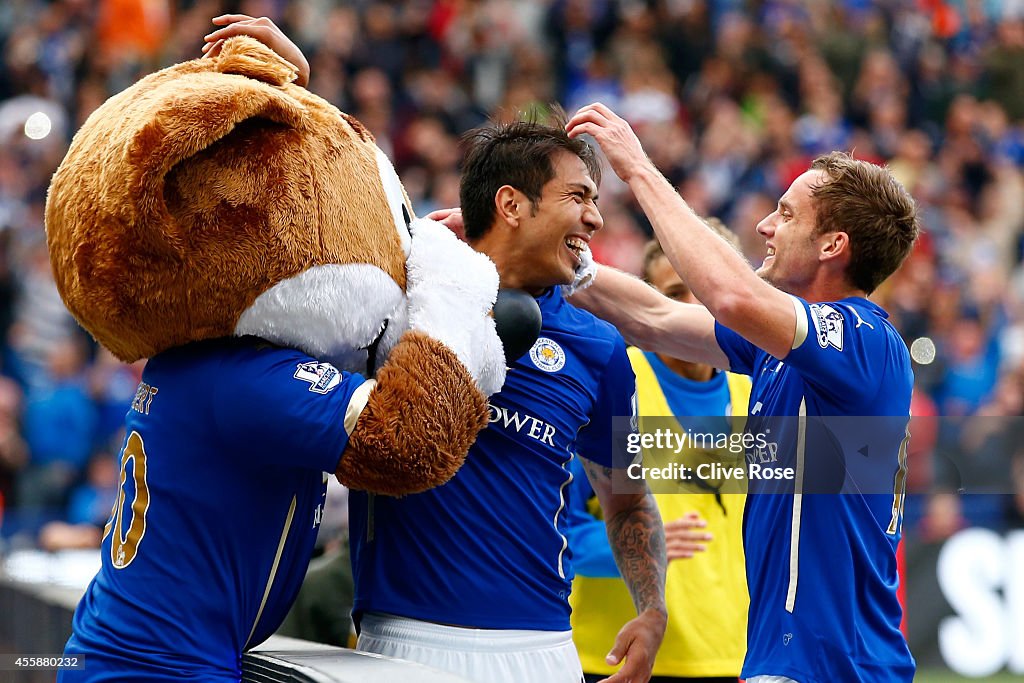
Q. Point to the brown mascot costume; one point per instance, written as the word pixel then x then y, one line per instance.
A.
pixel 253 243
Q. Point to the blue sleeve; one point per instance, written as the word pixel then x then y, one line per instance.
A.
pixel 616 397
pixel 741 353
pixel 844 353
pixel 587 535
pixel 282 407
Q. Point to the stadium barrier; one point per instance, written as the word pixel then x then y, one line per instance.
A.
pixel 36 607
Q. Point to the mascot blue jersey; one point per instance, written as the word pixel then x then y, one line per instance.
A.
pixel 821 555
pixel 217 512
pixel 488 549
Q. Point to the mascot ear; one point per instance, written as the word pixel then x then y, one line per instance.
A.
pixel 246 56
pixel 162 120
pixel 200 110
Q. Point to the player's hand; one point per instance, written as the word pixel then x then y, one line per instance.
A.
pixel 686 536
pixel 586 271
pixel 637 643
pixel 263 30
pixel 617 140
pixel 451 219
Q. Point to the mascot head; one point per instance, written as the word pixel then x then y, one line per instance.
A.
pixel 215 198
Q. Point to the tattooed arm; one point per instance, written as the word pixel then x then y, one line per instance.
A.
pixel 637 538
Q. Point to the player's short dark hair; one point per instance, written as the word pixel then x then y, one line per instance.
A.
pixel 867 203
pixel 653 249
pixel 517 154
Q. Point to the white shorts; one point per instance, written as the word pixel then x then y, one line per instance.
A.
pixel 481 655
pixel 770 679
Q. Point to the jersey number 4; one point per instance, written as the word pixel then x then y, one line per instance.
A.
pixel 124 545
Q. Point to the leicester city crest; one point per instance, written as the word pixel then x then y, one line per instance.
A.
pixel 547 355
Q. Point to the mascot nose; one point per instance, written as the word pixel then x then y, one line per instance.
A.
pixel 517 319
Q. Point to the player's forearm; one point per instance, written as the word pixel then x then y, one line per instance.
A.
pixel 648 319
pixel 625 301
pixel 637 538
pixel 715 272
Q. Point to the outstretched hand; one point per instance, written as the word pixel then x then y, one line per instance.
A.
pixel 263 30
pixel 686 536
pixel 617 140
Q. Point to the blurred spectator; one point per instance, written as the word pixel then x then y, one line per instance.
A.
pixel 132 27
pixel 1004 67
pixel 41 324
pixel 13 450
pixel 90 501
pixel 972 359
pixel 943 517
pixel 60 421
pixel 112 386
pixel 88 508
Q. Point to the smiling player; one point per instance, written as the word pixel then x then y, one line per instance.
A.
pixel 474 577
pixel 814 346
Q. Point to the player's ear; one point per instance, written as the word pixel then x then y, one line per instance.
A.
pixel 509 203
pixel 833 245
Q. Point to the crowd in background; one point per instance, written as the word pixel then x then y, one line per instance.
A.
pixel 732 98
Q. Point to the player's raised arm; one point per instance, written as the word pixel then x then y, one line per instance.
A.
pixel 718 275
pixel 649 319
pixel 637 538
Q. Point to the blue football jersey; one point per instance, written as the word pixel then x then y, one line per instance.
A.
pixel 223 479
pixel 821 548
pixel 488 549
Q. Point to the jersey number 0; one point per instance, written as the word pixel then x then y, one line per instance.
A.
pixel 124 545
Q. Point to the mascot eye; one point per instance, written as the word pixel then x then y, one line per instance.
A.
pixel 406 217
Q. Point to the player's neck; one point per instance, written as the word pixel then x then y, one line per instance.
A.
pixel 507 259
pixel 825 288
pixel 695 372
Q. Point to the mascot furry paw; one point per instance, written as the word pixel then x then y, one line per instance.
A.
pixel 254 243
